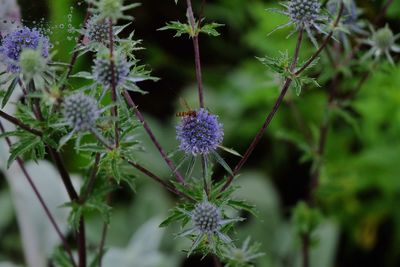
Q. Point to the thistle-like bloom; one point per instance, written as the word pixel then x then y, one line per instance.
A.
pixel 103 72
pixel 32 64
pixel 81 112
pixel 382 42
pixel 207 222
pixel 349 24
pixel 304 15
pixel 243 256
pixel 200 134
pixel 97 30
pixel 16 41
pixel 111 9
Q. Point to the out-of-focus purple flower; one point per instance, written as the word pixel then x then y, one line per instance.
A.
pixel 200 134
pixel 16 41
pixel 10 16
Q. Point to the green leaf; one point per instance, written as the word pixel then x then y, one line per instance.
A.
pixel 9 92
pixel 230 150
pixel 242 205
pixel 175 216
pixel 116 170
pixel 179 27
pixel 221 161
pixel 210 29
pixel 22 147
pixel 61 259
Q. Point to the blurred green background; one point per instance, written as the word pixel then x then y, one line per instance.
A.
pixel 360 182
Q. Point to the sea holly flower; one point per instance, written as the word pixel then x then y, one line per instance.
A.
pixel 34 67
pixel 304 15
pixel 97 30
pixel 126 73
pixel 199 133
pixel 207 223
pixel 16 41
pixel 103 71
pixel 80 113
pixel 243 256
pixel 349 24
pixel 111 9
pixel 382 42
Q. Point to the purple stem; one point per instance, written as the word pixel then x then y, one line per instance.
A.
pixel 41 200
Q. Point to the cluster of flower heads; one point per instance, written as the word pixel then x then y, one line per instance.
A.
pixel 304 15
pixel 15 42
pixel 81 112
pixel 200 134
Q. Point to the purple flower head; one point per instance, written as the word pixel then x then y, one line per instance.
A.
pixel 206 218
pixel 16 41
pixel 102 70
pixel 200 134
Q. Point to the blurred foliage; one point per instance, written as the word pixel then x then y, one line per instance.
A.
pixel 359 186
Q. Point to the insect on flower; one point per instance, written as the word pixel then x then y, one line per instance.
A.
pixel 188 113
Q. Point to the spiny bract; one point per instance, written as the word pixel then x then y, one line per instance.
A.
pixel 81 112
pixel 200 134
pixel 16 41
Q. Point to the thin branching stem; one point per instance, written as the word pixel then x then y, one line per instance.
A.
pixel 196 48
pixel 102 243
pixel 150 133
pixel 284 90
pixel 20 124
pixel 92 179
pixel 114 110
pixel 41 201
pixel 66 178
pixel 159 180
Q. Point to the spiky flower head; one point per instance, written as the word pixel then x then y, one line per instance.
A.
pixel 31 63
pixel 383 42
pixel 304 15
pixel 81 112
pixel 207 218
pixel 243 256
pixel 200 133
pixel 103 71
pixel 16 41
pixel 304 12
pixel 112 9
pixel 97 30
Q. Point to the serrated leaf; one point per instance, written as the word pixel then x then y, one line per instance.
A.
pixel 210 29
pixel 179 27
pixel 175 216
pixel 20 148
pixel 242 205
pixel 9 92
pixel 116 170
pixel 61 259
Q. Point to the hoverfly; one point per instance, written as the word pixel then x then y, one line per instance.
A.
pixel 188 113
